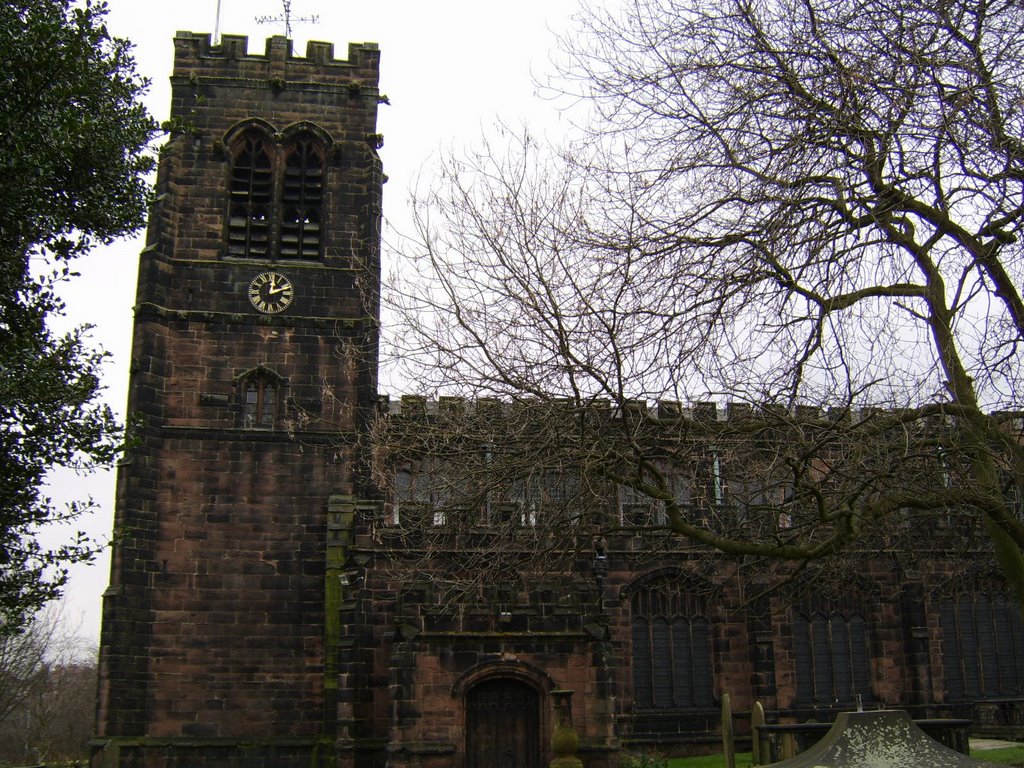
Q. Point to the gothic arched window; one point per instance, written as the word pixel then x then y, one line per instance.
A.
pixel 830 653
pixel 261 399
pixel 302 198
pixel 275 206
pixel 982 647
pixel 251 198
pixel 672 662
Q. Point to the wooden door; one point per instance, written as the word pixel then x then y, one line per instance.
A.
pixel 503 725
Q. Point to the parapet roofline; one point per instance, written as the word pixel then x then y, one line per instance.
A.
pixel 417 405
pixel 195 55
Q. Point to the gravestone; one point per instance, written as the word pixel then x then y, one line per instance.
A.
pixel 883 739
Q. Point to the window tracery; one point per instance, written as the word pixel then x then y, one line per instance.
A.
pixel 276 194
pixel 261 395
pixel 982 647
pixel 830 653
pixel 671 638
pixel 251 197
pixel 302 198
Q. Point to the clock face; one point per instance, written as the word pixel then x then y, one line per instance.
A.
pixel 271 292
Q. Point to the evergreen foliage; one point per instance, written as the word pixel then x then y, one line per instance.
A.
pixel 73 154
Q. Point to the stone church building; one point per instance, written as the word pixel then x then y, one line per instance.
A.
pixel 256 616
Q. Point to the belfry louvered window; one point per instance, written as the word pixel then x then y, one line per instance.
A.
pixel 251 205
pixel 302 196
pixel 671 638
pixel 276 197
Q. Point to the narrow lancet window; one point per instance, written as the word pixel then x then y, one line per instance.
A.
pixel 260 403
pixel 302 199
pixel 250 207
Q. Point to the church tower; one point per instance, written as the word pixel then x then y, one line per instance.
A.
pixel 253 373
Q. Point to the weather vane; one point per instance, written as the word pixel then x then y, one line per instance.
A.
pixel 286 17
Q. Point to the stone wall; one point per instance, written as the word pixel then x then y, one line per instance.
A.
pixel 213 647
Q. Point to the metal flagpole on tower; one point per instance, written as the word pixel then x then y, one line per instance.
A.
pixel 216 26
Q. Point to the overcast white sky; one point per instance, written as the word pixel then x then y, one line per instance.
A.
pixel 450 68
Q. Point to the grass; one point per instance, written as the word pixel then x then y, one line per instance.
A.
pixel 709 761
pixel 1006 756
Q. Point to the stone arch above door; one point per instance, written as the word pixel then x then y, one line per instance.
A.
pixel 528 673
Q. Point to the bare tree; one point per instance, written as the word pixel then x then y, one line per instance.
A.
pixel 47 699
pixel 55 724
pixel 811 208
pixel 21 658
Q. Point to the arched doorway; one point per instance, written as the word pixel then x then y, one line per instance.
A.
pixel 503 725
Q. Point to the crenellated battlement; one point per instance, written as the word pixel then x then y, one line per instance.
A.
pixel 196 56
pixel 667 411
pixel 662 410
pixel 220 91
